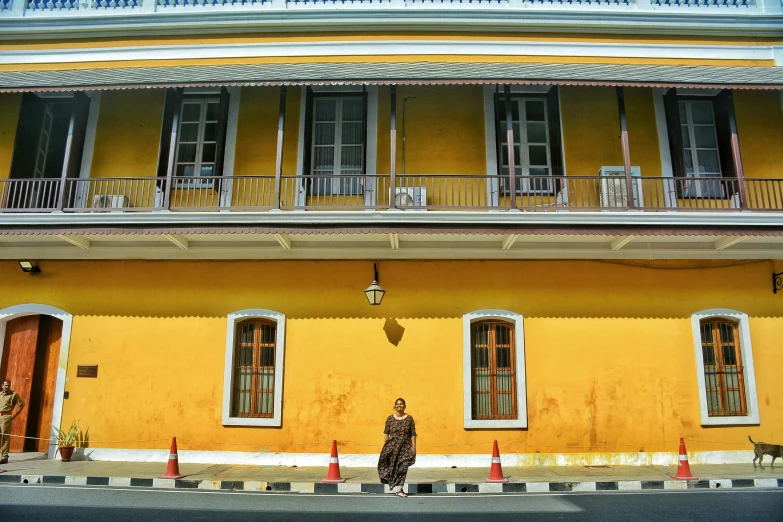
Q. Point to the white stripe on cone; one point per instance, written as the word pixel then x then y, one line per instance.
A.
pixel 172 456
pixel 495 460
pixel 333 460
pixel 684 457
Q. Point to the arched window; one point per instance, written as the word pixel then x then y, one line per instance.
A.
pixel 724 365
pixel 254 369
pixel 253 375
pixel 493 370
pixel 494 394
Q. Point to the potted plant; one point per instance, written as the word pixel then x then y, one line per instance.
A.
pixel 67 440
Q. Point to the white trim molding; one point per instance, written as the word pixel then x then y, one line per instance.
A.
pixel 16 311
pixel 390 48
pixel 749 377
pixel 233 319
pixel 519 338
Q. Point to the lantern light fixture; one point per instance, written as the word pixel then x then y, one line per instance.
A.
pixel 374 292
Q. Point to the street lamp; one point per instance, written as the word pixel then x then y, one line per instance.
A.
pixel 374 292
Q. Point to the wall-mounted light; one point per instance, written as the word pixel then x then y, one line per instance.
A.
pixel 29 268
pixel 777 282
pixel 374 292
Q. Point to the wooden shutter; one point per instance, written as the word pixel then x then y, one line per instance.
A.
pixel 77 130
pixel 27 133
pixel 307 165
pixel 168 132
pixel 220 148
pixel 724 113
pixel 555 136
pixel 672 110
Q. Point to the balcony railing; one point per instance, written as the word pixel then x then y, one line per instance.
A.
pixel 380 192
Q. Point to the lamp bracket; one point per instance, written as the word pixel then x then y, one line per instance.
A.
pixel 777 282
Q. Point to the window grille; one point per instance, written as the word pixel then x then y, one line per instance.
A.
pixel 493 370
pixel 723 372
pixel 254 369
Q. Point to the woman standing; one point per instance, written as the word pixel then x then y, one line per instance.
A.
pixel 399 450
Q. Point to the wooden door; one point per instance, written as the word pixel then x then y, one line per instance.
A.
pixel 39 424
pixel 18 365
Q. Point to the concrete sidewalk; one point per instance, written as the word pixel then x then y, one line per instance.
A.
pixel 37 469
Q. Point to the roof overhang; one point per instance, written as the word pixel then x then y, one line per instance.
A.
pixel 392 235
pixel 395 73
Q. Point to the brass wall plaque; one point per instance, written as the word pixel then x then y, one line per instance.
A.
pixel 87 371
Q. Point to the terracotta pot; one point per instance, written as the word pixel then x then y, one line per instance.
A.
pixel 66 452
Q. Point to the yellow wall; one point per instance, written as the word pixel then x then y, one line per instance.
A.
pixel 760 130
pixel 609 353
pixel 9 117
pixel 591 129
pixel 128 134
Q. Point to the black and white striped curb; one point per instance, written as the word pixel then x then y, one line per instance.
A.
pixel 355 487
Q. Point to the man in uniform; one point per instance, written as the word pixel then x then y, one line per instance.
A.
pixel 8 399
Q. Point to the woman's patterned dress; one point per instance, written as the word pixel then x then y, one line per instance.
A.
pixel 397 453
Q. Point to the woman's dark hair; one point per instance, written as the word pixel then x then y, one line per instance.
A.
pixel 400 399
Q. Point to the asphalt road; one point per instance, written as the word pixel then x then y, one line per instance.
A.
pixel 58 503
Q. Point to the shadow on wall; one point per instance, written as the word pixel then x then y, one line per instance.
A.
pixel 394 331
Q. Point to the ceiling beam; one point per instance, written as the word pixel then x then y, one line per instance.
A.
pixel 79 241
pixel 178 240
pixel 284 241
pixel 620 241
pixel 394 239
pixel 509 241
pixel 725 242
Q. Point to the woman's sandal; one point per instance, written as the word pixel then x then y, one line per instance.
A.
pixel 401 494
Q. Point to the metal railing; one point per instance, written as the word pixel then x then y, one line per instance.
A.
pixel 376 192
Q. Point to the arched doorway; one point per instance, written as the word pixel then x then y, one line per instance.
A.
pixel 30 362
pixel 33 355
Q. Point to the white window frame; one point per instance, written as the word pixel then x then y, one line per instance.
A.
pixel 195 180
pixel 337 170
pixel 698 190
pixel 233 319
pixel 519 338
pixel 749 377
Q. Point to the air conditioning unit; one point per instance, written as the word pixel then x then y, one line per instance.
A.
pixel 109 201
pixel 614 191
pixel 410 198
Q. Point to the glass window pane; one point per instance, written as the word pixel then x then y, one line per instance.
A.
pixel 729 356
pixel 208 152
pixel 353 110
pixel 538 155
pixel 686 136
pixel 324 133
pixel 503 357
pixel 351 158
pixel 207 170
pixel 353 134
pixel 706 333
pixel 688 162
pixel 535 110
pixel 325 109
pixel 708 353
pixel 191 112
pixel 536 132
pixel 187 153
pixel 268 356
pixel 705 137
pixel 682 112
pixel 701 111
pixel 185 170
pixel 213 111
pixel 709 162
pixel 323 158
pixel 188 132
pixel 726 333
pixel 481 359
pixel 210 132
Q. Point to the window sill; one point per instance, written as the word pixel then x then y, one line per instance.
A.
pixel 252 421
pixel 745 420
pixel 496 424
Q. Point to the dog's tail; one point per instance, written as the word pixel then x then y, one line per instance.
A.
pixel 751 440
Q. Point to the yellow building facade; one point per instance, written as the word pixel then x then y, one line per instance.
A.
pixel 202 210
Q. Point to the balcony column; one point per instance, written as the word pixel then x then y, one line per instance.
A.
pixel 512 167
pixel 172 154
pixel 736 156
pixel 393 151
pixel 279 154
pixel 626 148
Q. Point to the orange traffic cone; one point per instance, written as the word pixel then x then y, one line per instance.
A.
pixel 172 470
pixel 683 468
pixel 333 475
pixel 495 471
